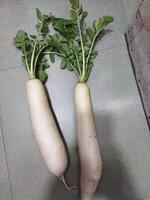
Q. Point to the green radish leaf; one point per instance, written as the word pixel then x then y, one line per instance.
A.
pixel 52 57
pixel 88 41
pixel 108 18
pixel 73 15
pixel 48 39
pixel 86 48
pixel 45 66
pixel 63 25
pixel 71 57
pixel 20 36
pixel 70 44
pixel 39 27
pixel 75 49
pixel 75 3
pixel 23 61
pixel 42 65
pixel 33 37
pixel 96 25
pixel 103 22
pixel 42 75
pixel 94 55
pixel 50 48
pixel 63 63
pixel 27 45
pixel 66 49
pixel 80 10
pixel 42 27
pixel 45 28
pixel 17 44
pixel 66 28
pixel 48 18
pixel 90 65
pixel 69 66
pixel 39 14
pixel 90 33
pixel 69 22
pixel 85 13
pixel 21 40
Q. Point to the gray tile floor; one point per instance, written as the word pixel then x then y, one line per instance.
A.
pixel 120 120
pixel 130 8
pixel 5 190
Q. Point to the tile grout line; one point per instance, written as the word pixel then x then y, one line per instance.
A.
pixel 115 47
pixel 125 12
pixel 11 68
pixel 10 186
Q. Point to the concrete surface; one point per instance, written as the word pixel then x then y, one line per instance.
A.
pixel 120 120
pixel 5 189
pixel 138 38
pixel 130 7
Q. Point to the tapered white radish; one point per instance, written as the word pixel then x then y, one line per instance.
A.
pixel 89 151
pixel 33 48
pixel 45 130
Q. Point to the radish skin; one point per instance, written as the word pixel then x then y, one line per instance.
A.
pixel 45 130
pixel 89 151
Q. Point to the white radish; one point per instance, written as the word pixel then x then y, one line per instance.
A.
pixel 89 151
pixel 43 123
pixel 45 129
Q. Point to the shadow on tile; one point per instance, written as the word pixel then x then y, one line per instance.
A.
pixel 116 181
pixel 57 123
pixel 58 190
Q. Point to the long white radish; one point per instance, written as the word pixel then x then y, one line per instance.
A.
pixel 89 151
pixel 45 129
pixel 80 41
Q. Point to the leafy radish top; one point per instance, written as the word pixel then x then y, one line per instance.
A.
pixel 76 42
pixel 72 41
pixel 33 47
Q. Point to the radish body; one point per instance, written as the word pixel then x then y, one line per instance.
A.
pixel 89 151
pixel 45 130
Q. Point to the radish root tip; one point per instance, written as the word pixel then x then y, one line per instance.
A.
pixel 62 178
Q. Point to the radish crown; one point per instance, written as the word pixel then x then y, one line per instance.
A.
pixel 75 41
pixel 33 47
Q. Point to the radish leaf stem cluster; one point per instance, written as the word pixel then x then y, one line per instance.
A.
pixel 72 41
pixel 33 47
pixel 80 40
